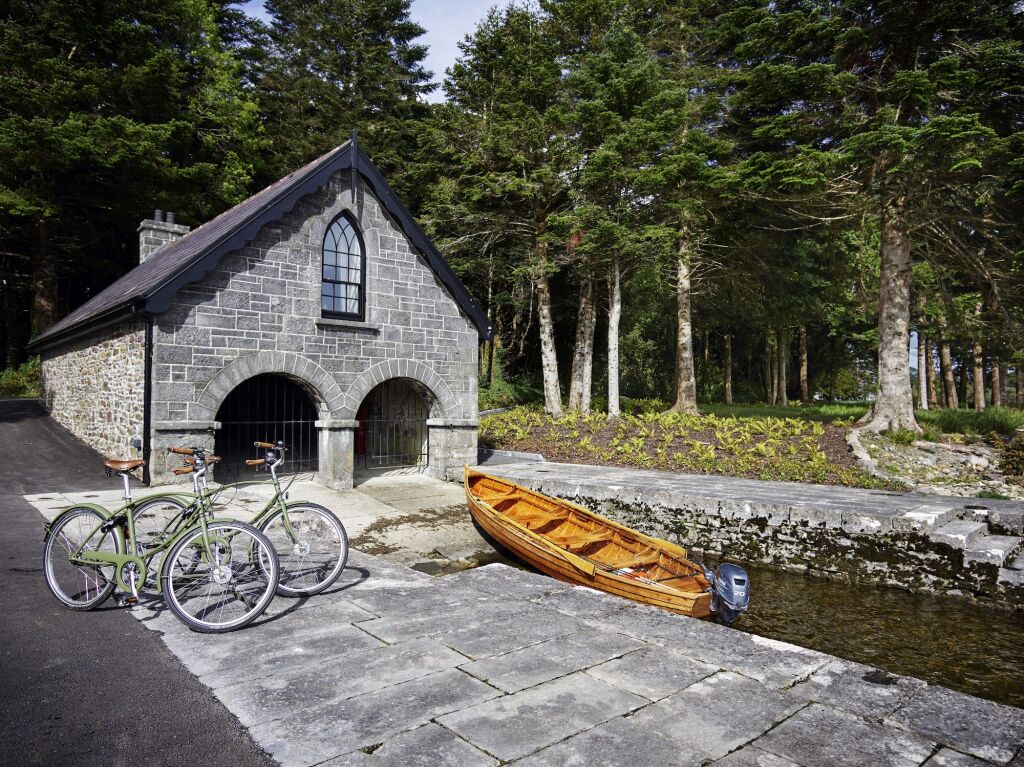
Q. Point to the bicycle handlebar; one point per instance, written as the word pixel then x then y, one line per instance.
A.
pixel 255 462
pixel 181 450
pixel 182 470
pixel 268 445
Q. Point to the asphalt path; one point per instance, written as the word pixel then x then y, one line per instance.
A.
pixel 95 688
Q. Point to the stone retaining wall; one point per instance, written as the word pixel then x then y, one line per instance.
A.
pixel 834 533
pixel 94 388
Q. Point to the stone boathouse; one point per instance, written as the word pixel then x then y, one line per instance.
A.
pixel 317 311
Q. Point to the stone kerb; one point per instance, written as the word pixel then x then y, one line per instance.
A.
pixel 445 404
pixel 325 391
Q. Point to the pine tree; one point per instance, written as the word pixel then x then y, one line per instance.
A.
pixel 335 66
pixel 111 109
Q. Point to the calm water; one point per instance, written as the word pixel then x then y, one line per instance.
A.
pixel 941 640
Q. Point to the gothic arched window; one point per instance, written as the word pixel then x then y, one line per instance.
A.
pixel 343 283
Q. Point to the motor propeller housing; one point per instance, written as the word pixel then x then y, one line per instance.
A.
pixel 730 589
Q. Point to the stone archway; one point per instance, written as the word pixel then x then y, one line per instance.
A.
pixel 444 405
pixel 318 383
pixel 268 407
pixel 392 431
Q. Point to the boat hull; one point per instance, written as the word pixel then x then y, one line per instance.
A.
pixel 544 555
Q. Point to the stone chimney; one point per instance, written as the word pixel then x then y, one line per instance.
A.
pixel 156 232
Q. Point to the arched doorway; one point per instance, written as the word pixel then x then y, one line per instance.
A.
pixel 392 430
pixel 266 408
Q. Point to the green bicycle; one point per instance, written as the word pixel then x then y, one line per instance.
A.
pixel 215 575
pixel 310 541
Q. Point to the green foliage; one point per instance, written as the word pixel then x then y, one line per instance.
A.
pixel 794 449
pixel 22 381
pixel 1011 457
pixel 994 420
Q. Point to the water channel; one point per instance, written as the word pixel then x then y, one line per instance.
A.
pixel 942 640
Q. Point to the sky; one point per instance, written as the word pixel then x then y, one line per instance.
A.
pixel 446 22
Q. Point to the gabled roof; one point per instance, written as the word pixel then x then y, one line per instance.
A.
pixel 150 287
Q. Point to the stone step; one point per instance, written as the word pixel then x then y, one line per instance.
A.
pixel 996 549
pixel 960 534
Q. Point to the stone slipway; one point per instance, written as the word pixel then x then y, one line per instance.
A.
pixel 493 666
pixel 961 546
pixel 391 667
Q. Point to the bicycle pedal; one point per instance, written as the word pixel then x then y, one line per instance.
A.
pixel 127 600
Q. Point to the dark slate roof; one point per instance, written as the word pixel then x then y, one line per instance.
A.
pixel 150 287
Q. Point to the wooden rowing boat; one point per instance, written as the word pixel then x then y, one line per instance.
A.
pixel 572 544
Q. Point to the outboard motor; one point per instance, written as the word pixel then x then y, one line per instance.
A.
pixel 730 589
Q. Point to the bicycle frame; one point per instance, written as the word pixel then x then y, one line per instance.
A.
pixel 205 497
pixel 122 523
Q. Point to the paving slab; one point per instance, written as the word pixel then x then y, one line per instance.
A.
pixel 542 662
pixel 508 582
pixel 430 746
pixel 310 737
pixel 515 725
pixel 620 741
pixel 492 634
pixel 583 602
pixel 859 689
pixel 751 756
pixel 718 714
pixel 264 698
pixel 819 736
pixel 948 758
pixel 974 726
pixel 652 672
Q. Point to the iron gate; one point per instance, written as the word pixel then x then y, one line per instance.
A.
pixel 266 408
pixel 393 426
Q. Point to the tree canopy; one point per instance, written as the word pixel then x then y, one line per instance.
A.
pixel 737 199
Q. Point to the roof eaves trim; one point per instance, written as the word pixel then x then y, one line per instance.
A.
pixel 160 298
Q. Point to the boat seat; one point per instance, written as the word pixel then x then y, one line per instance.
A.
pixel 579 541
pixel 647 558
pixel 535 520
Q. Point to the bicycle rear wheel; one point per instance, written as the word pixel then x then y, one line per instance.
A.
pixel 224 586
pixel 80 587
pixel 312 548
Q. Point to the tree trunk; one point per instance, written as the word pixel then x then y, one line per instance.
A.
pixel 1004 385
pixel 727 365
pixel 782 363
pixel 979 377
pixel 548 357
pixel 614 315
pixel 948 382
pixel 583 352
pixel 1020 387
pixel 686 384
pixel 44 281
pixel 997 385
pixel 922 371
pixel 894 404
pixel 772 367
pixel 805 387
pixel 933 384
pixel 962 382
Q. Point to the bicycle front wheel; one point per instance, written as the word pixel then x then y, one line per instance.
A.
pixel 311 545
pixel 80 587
pixel 222 581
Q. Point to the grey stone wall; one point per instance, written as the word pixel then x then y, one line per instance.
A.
pixel 94 388
pixel 259 312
